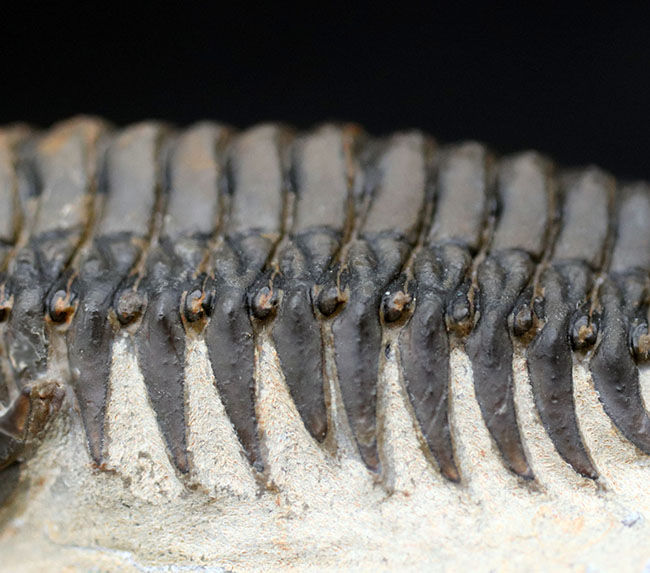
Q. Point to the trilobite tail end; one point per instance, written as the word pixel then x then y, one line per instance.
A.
pixel 26 418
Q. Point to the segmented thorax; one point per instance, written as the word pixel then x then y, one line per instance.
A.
pixel 336 249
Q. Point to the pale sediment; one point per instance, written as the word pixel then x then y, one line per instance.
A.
pixel 317 510
pixel 268 350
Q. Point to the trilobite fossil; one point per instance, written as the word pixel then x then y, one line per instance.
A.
pixel 228 279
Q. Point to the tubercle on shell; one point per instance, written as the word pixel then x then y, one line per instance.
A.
pixel 152 232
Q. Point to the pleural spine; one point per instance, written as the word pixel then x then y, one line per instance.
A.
pixel 329 237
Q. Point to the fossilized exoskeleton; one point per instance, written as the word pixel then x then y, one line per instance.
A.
pixel 323 258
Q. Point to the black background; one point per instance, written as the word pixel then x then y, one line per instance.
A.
pixel 574 83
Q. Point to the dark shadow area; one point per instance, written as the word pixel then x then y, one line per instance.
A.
pixel 574 83
pixel 9 478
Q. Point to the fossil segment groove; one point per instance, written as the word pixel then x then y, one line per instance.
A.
pixel 269 346
pixel 318 243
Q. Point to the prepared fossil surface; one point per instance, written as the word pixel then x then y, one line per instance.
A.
pixel 276 326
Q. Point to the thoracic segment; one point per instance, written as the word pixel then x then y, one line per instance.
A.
pixel 156 235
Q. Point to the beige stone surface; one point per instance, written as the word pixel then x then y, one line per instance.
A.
pixel 317 508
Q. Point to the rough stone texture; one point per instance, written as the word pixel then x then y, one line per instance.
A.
pixel 272 351
pixel 326 512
